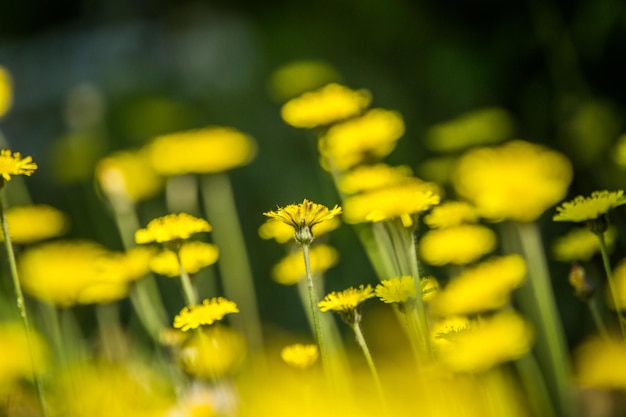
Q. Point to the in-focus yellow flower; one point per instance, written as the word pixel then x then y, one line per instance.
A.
pixel 370 177
pixel 400 289
pixel 324 106
pixel 130 175
pixel 489 342
pixel 14 164
pixel 516 181
pixel 302 217
pixel 194 256
pixel 403 201
pixel 281 232
pixel 459 245
pixel 201 151
pixel 601 363
pixel 484 287
pixel 368 138
pixel 172 228
pixel 581 208
pixel 30 224
pixel 210 311
pixel 6 91
pixel 451 213
pixel 18 354
pixel 581 244
pixel 290 270
pixel 299 355
pixel 347 300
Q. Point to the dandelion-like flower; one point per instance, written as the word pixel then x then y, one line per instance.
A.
pixel 193 255
pixel 582 209
pixel 282 232
pixel 451 213
pixel 459 245
pixel 299 355
pixel 13 164
pixel 600 362
pixel 302 217
pixel 210 311
pixel 172 228
pixel 370 177
pixel 396 290
pixel 30 224
pixel 346 302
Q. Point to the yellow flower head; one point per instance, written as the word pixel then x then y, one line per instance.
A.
pixel 194 256
pixel 347 300
pixel 445 329
pixel 210 311
pixel 302 217
pixel 451 213
pixel 516 181
pixel 16 361
pixel 290 269
pixel 282 232
pixel 368 138
pixel 6 91
pixel 484 287
pixel 600 362
pixel 299 355
pixel 396 290
pixel 370 177
pixel 14 164
pixel 30 224
pixel 581 244
pixel 459 245
pixel 130 175
pixel 201 151
pixel 402 201
pixel 135 261
pixel 171 228
pixel 581 208
pixel 322 107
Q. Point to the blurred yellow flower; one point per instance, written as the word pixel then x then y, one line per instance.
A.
pixel 30 224
pixel 580 244
pixel 369 177
pixel 324 106
pixel 347 300
pixel 302 217
pixel 13 164
pixel 194 256
pixel 299 355
pixel 367 138
pixel 210 311
pixel 290 269
pixel 459 245
pixel 201 151
pixel 478 127
pixel 451 213
pixel 136 261
pixel 488 342
pixel 130 175
pixel 297 77
pixel 281 232
pixel 403 201
pixel 484 287
pixel 6 91
pixel 581 208
pixel 16 362
pixel 600 362
pixel 444 330
pixel 172 228
pixel 516 181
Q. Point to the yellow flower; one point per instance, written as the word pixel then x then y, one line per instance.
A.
pixel 403 200
pixel 400 289
pixel 347 300
pixel 581 208
pixel 302 217
pixel 6 91
pixel 459 245
pixel 30 224
pixel 282 232
pixel 210 311
pixel 486 343
pixel 299 355
pixel 484 287
pixel 368 138
pixel 369 177
pixel 14 164
pixel 478 127
pixel 172 228
pixel 444 330
pixel 580 244
pixel 135 261
pixel 601 363
pixel 290 269
pixel 451 213
pixel 201 151
pixel 516 181
pixel 327 105
pixel 194 256
pixel 130 175
pixel 297 77
pixel 16 362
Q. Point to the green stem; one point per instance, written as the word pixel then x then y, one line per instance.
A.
pixel 533 383
pixel 597 317
pixel 313 305
pixel 21 306
pixel 188 291
pixel 609 276
pixel 107 316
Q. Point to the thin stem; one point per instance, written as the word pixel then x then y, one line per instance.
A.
pixel 21 306
pixel 534 385
pixel 111 337
pixel 609 276
pixel 313 305
pixel 188 291
pixel 597 317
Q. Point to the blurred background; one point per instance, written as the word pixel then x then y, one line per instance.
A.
pixel 92 77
